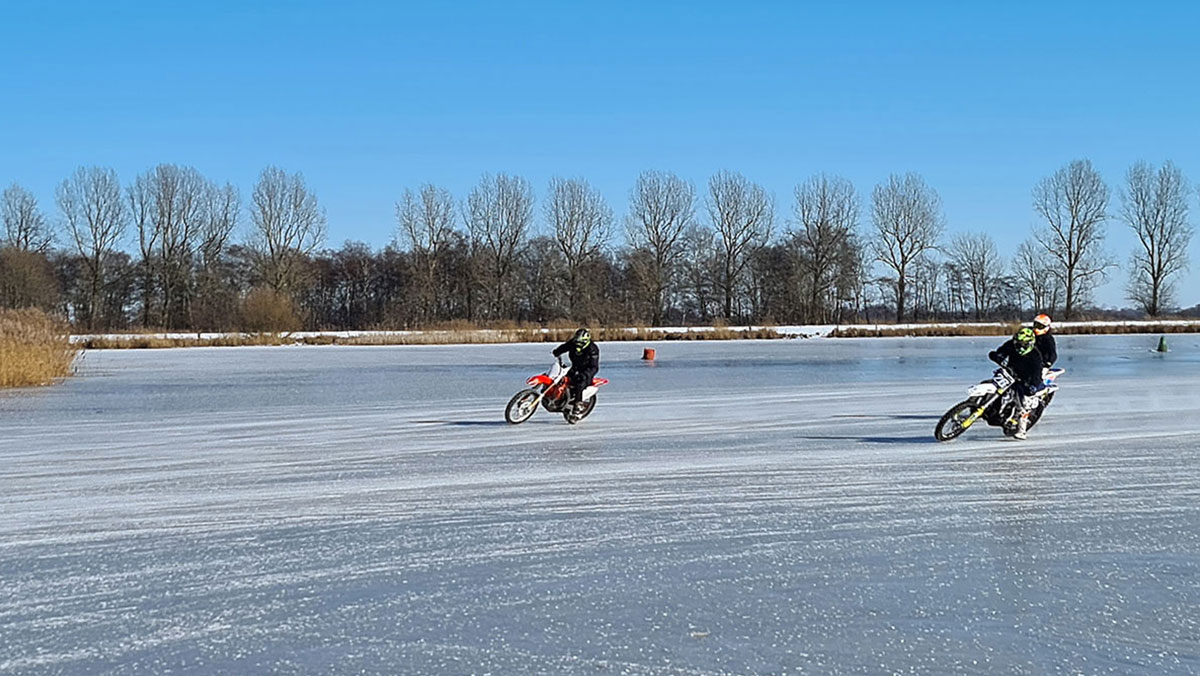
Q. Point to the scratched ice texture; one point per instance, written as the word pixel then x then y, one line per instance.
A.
pixel 773 507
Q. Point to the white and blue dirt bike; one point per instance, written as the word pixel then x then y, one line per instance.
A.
pixel 996 402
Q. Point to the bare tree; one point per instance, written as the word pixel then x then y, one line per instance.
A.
pixel 976 260
pixel 742 215
pixel 1074 203
pixel 1040 286
pixel 288 225
pixel 907 214
pixel 853 277
pixel 542 270
pixel 25 226
pixel 222 211
pixel 187 191
pixel 956 288
pixel 223 205
pixel 142 211
pixel 582 223
pixel 701 265
pixel 1154 204
pixel 499 214
pixel 427 222
pixel 826 212
pixel 170 208
pixel 95 217
pixel 27 279
pixel 926 286
pixel 662 207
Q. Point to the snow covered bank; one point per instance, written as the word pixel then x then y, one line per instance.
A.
pixel 434 337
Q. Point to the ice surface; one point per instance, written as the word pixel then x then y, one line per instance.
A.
pixel 732 508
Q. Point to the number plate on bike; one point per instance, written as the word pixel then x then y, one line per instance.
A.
pixel 1002 379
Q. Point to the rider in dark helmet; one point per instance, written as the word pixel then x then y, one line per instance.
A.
pixel 1045 341
pixel 585 362
pixel 1020 356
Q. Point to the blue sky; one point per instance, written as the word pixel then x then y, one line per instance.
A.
pixel 982 99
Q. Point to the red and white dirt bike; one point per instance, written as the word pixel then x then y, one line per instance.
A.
pixel 550 389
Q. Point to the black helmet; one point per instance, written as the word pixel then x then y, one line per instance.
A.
pixel 582 339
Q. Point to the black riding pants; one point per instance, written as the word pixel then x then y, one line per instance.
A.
pixel 578 380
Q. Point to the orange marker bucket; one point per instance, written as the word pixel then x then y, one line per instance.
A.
pixel 648 354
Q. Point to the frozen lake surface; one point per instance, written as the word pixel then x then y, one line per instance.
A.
pixel 733 508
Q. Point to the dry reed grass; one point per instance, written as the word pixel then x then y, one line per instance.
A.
pixel 1002 329
pixel 931 331
pixel 137 342
pixel 1122 328
pixel 35 349
pixel 464 335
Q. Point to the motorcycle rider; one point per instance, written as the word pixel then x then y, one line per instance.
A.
pixel 585 362
pixel 1020 356
pixel 1045 341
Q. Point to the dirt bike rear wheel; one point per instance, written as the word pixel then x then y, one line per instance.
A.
pixel 1036 414
pixel 950 426
pixel 521 407
pixel 571 417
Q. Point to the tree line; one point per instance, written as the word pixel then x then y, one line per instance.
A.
pixel 163 252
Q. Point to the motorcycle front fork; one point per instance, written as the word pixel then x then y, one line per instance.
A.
pixel 979 411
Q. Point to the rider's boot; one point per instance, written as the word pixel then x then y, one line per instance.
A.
pixel 574 403
pixel 1022 427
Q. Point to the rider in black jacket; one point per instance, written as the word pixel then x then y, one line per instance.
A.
pixel 585 362
pixel 1020 355
pixel 1045 341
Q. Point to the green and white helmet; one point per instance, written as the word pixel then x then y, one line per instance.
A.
pixel 582 339
pixel 1024 340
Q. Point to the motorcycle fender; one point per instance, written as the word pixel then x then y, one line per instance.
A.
pixel 590 390
pixel 981 390
pixel 539 379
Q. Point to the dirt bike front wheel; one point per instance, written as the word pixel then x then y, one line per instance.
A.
pixel 951 424
pixel 521 407
pixel 572 417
